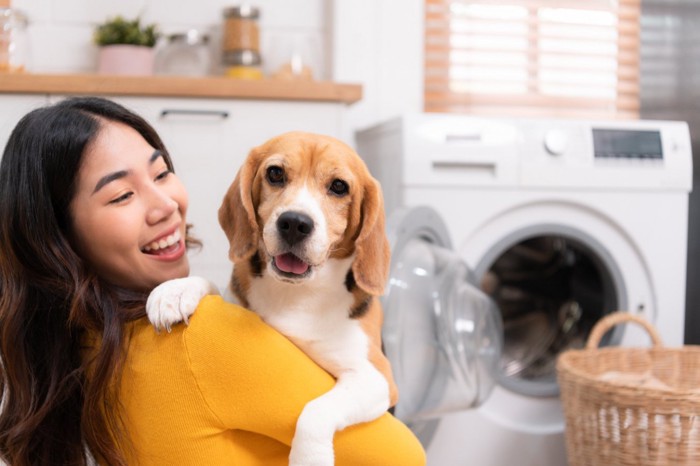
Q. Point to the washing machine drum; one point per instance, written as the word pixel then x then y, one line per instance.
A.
pixel 442 335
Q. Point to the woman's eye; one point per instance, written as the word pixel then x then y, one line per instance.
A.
pixel 275 175
pixel 163 175
pixel 121 198
pixel 339 187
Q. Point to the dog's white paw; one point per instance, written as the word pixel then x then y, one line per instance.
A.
pixel 312 444
pixel 175 300
pixel 306 452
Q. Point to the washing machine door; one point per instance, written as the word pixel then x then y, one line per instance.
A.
pixel 442 335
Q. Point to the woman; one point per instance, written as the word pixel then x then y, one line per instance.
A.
pixel 92 218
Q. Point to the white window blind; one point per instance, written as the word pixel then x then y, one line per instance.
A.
pixel 573 58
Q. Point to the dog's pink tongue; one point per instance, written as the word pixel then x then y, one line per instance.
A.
pixel 291 264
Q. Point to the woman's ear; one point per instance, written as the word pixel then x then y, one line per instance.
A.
pixel 237 212
pixel 372 254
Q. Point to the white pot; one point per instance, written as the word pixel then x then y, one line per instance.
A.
pixel 135 60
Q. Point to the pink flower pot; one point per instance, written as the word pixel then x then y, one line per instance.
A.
pixel 135 60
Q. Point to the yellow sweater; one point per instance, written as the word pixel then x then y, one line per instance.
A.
pixel 227 390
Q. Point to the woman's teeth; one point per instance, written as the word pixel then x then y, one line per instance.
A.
pixel 163 243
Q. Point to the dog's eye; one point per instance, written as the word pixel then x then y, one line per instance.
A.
pixel 275 175
pixel 339 187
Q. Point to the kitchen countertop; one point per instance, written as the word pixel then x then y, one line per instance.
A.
pixel 179 86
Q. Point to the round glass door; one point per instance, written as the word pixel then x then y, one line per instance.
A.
pixel 441 333
pixel 550 288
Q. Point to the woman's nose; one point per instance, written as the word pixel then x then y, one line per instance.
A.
pixel 160 206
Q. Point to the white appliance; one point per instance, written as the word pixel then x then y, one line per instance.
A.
pixel 561 222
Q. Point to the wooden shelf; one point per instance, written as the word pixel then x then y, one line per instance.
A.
pixel 175 86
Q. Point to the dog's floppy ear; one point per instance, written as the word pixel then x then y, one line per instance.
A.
pixel 237 212
pixel 372 255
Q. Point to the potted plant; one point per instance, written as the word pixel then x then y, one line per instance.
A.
pixel 126 47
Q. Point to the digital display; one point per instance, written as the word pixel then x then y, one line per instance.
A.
pixel 631 144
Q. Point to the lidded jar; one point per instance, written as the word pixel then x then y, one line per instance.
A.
pixel 185 54
pixel 241 28
pixel 241 42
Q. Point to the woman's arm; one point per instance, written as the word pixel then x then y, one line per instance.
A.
pixel 255 379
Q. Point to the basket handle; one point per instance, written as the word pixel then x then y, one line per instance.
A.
pixel 609 321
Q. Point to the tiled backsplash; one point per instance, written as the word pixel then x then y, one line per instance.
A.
pixel 61 30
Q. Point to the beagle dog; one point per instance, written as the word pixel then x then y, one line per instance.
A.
pixel 305 222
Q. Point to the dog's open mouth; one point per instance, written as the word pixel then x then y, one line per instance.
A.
pixel 291 265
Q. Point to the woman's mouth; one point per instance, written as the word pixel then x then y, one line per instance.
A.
pixel 164 246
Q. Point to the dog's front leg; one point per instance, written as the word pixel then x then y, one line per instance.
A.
pixel 175 300
pixel 359 395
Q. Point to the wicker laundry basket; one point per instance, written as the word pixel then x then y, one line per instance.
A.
pixel 631 406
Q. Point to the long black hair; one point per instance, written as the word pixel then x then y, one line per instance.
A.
pixel 58 404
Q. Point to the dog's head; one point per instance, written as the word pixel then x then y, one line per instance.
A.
pixel 301 199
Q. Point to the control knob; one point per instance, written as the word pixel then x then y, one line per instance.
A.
pixel 556 141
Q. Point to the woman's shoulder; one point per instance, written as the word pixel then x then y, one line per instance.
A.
pixel 218 327
pixel 214 310
pixel 215 317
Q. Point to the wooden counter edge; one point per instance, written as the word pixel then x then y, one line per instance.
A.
pixel 176 86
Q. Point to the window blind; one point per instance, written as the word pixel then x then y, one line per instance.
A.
pixel 533 57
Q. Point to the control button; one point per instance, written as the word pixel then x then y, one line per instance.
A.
pixel 556 141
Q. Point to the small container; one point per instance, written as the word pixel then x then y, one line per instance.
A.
pixel 243 64
pixel 241 28
pixel 292 56
pixel 241 43
pixel 185 54
pixel 14 41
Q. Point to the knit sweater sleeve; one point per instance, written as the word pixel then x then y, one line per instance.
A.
pixel 254 379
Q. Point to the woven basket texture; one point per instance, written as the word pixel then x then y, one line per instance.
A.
pixel 631 406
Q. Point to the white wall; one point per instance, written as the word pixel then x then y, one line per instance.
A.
pixel 61 30
pixel 378 43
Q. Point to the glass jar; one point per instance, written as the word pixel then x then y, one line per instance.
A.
pixel 14 41
pixel 241 28
pixel 241 42
pixel 292 56
pixel 185 54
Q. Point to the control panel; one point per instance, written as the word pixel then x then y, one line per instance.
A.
pixel 464 150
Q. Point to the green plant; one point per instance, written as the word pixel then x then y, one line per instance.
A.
pixel 121 31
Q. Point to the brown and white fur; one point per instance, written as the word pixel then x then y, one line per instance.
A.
pixel 305 222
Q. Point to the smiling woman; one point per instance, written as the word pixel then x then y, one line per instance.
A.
pixel 81 194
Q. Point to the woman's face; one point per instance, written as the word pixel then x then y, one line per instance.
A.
pixel 129 211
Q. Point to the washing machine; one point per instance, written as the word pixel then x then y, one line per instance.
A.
pixel 557 223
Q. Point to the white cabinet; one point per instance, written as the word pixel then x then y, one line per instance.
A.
pixel 12 108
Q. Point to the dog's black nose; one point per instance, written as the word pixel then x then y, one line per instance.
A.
pixel 294 227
